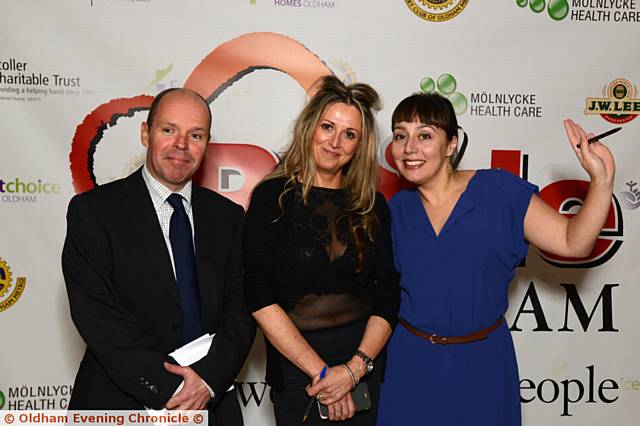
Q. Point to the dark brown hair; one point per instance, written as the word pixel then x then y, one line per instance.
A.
pixel 432 109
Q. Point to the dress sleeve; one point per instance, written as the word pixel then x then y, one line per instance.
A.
pixel 520 192
pixel 386 289
pixel 260 245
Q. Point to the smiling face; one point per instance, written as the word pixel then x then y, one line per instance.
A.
pixel 177 139
pixel 334 142
pixel 421 151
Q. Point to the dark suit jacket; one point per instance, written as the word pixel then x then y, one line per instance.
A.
pixel 124 300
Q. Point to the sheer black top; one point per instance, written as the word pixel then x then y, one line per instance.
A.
pixel 305 259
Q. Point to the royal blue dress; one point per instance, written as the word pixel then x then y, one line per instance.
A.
pixel 454 284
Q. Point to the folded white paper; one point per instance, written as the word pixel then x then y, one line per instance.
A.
pixel 193 351
pixel 188 354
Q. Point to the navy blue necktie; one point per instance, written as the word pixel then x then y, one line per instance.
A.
pixel 184 261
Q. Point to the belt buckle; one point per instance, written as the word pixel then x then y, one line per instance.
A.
pixel 432 338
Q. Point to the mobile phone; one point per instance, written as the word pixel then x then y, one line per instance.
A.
pixel 361 399
pixel 323 411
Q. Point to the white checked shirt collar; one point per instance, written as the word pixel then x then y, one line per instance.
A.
pixel 159 194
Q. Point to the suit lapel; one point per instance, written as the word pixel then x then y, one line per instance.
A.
pixel 205 224
pixel 143 217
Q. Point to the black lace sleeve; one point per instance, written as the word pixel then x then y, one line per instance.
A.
pixel 386 288
pixel 260 245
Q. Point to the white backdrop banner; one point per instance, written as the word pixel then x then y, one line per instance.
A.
pixel 77 77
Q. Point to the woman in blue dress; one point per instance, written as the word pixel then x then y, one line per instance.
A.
pixel 457 239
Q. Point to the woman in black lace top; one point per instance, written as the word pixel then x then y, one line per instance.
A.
pixel 319 274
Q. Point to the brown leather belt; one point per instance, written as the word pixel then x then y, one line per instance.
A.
pixel 452 340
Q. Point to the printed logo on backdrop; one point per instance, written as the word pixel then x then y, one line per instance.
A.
pixel 26 191
pixel 10 291
pixel 505 104
pixel 586 10
pixel 618 104
pixel 316 4
pixel 437 10
pixel 36 397
pixel 631 197
pixel 446 85
pixel 229 168
pixel 21 82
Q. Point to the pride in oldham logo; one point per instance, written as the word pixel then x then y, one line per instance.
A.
pixel 9 297
pixel 557 9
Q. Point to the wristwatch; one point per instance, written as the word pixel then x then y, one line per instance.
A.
pixel 368 362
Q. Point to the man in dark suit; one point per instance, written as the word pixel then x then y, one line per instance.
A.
pixel 151 262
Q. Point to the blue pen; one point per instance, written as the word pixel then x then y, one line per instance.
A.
pixel 324 371
pixel 306 412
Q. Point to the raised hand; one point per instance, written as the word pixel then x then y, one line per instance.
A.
pixel 595 158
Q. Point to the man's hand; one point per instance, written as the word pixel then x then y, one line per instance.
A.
pixel 194 394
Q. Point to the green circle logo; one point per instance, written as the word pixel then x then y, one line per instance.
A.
pixel 557 9
pixel 446 85
pixel 1 400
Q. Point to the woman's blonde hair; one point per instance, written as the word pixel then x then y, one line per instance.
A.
pixel 360 178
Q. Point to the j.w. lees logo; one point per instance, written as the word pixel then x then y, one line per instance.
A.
pixel 619 102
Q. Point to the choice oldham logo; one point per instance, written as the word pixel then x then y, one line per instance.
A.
pixel 9 294
pixel 566 196
pixel 20 190
pixel 437 10
pixel 230 168
pixel 619 102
